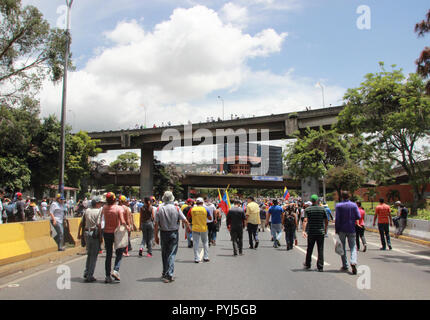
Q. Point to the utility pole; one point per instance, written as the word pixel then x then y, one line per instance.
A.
pixel 63 107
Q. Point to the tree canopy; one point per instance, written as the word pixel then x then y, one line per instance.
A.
pixel 423 62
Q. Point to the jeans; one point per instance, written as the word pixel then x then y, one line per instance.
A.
pixel 359 232
pixel 402 226
pixel 212 231
pixel 59 238
pixel 352 246
pixel 169 248
pixel 93 247
pixel 384 232
pixel 289 238
pixel 237 239
pixel 190 237
pixel 276 230
pixel 252 234
pixel 147 235
pixel 196 240
pixel 319 239
pixel 109 241
pixel 263 225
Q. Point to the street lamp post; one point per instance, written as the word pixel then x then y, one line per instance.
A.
pixel 322 89
pixel 63 107
pixel 219 97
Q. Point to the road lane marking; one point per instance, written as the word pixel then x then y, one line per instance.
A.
pixel 315 258
pixel 394 249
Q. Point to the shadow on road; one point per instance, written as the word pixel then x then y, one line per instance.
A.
pixel 149 280
pixel 403 259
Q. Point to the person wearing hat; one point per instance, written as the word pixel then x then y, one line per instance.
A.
pixel 314 228
pixel 56 212
pixel 199 216
pixel 20 208
pixel 91 227
pixel 167 221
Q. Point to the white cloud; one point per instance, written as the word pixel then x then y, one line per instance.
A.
pixel 234 14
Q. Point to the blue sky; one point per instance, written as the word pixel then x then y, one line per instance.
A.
pixel 261 56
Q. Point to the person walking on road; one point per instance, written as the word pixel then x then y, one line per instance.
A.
pixel 383 215
pixel 167 221
pixel 347 215
pixel 146 226
pixel 275 215
pixel 314 228
pixel 360 228
pixel 403 218
pixel 235 224
pixel 199 216
pixel 263 215
pixel 252 222
pixel 129 220
pixel 56 211
pixel 289 221
pixel 211 222
pixel 90 228
pixel 113 216
pixel 188 233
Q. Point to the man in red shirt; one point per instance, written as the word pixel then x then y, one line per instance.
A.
pixel 383 214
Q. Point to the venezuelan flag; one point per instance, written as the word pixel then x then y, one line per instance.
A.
pixel 286 194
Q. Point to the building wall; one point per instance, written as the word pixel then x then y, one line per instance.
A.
pixel 405 190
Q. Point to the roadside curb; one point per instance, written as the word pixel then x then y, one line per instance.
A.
pixel 21 266
pixel 406 238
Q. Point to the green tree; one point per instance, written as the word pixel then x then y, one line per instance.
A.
pixel 128 161
pixel 371 195
pixel 423 62
pixel 394 114
pixel 30 51
pixel 348 177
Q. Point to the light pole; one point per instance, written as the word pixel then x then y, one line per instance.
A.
pixel 219 97
pixel 322 88
pixel 63 107
pixel 145 108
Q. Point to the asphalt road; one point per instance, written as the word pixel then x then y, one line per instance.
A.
pixel 263 274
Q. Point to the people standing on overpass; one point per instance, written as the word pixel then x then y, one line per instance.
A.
pixel 360 228
pixel 252 222
pixel 236 220
pixel 347 215
pixel 147 226
pixel 90 228
pixel 57 218
pixel 167 221
pixel 113 216
pixel 199 216
pixel 383 215
pixel 275 214
pixel 314 228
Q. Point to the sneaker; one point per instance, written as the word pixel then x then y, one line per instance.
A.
pixel 195 261
pixel 279 244
pixel 241 253
pixel 108 280
pixel 320 270
pixel 390 247
pixel 306 267
pixel 383 248
pixel 140 252
pixel 168 279
pixel 149 255
pixel 256 244
pixel 90 279
pixel 235 254
pixel 115 274
pixel 206 260
pixel 344 269
pixel 251 247
pixel 365 248
pixel 354 269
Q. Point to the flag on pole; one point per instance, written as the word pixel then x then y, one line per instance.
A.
pixel 286 194
pixel 223 202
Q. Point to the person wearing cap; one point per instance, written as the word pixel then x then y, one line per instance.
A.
pixel 56 212
pixel 20 208
pixel 275 215
pixel 347 215
pixel 91 227
pixel 167 221
pixel 314 228
pixel 199 215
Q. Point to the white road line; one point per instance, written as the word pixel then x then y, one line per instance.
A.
pixel 315 258
pixel 394 249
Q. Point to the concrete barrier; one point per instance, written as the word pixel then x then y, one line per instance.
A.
pixel 419 229
pixel 20 241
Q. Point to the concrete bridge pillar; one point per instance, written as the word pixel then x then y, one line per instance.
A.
pixel 146 172
pixel 310 186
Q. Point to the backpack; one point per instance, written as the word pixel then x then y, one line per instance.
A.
pixel 11 209
pixel 29 213
pixel 289 223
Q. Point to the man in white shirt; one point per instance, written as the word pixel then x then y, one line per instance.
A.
pixel 57 217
